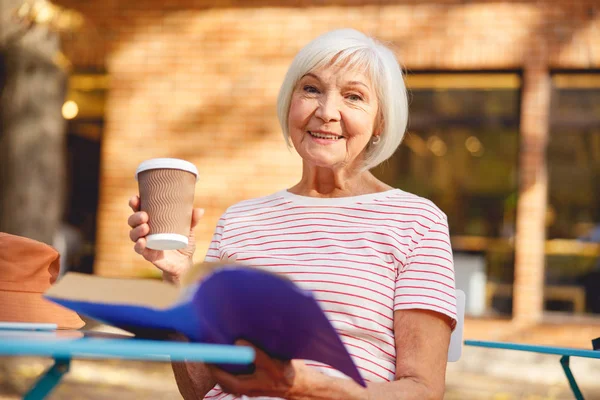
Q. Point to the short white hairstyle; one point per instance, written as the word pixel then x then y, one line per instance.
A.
pixel 351 48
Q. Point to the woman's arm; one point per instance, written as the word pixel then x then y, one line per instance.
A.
pixel 422 340
pixel 193 380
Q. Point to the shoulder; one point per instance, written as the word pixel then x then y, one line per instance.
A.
pixel 408 204
pixel 254 204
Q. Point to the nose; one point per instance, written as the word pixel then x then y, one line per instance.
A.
pixel 328 109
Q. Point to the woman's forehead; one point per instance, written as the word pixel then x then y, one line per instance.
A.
pixel 343 72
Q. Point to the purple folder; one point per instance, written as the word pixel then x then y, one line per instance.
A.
pixel 234 303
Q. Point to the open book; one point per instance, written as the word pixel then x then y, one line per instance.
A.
pixel 219 306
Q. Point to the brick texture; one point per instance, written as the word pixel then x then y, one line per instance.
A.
pixel 531 211
pixel 196 80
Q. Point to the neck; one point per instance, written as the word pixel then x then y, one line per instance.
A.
pixel 331 182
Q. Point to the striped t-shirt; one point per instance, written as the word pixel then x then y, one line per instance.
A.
pixel 362 257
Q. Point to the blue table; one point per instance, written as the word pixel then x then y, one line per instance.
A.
pixel 564 352
pixel 64 345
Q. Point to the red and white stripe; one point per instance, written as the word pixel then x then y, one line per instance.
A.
pixel 362 257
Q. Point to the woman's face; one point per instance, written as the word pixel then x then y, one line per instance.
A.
pixel 333 114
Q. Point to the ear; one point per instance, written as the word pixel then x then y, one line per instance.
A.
pixel 379 125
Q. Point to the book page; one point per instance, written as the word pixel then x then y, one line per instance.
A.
pixel 96 289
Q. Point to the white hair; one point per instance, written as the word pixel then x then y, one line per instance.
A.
pixel 351 48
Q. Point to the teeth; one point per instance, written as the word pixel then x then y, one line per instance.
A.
pixel 324 136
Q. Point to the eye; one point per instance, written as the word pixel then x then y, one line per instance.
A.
pixel 310 89
pixel 354 97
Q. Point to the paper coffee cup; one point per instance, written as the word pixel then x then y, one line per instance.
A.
pixel 167 188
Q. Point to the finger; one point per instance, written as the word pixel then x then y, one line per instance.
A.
pixel 274 368
pixel 140 246
pixel 197 214
pixel 139 232
pixel 178 337
pixel 228 382
pixel 134 203
pixel 137 219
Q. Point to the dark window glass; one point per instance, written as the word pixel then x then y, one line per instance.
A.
pixel 573 221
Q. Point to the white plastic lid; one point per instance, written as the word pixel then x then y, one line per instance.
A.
pixel 167 163
pixel 166 241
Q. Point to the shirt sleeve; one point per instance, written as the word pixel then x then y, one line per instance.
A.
pixel 427 279
pixel 214 252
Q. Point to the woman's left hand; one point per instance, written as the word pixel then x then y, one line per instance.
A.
pixel 271 377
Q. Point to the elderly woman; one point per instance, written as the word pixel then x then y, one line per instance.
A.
pixel 377 259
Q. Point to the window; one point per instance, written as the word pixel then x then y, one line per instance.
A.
pixel 461 152
pixel 573 220
pixel 85 107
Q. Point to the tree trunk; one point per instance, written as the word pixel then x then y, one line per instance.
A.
pixel 32 132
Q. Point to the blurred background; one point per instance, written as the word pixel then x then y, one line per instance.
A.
pixel 504 135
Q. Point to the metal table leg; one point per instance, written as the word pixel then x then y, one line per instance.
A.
pixel 564 361
pixel 48 381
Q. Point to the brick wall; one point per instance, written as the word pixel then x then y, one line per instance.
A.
pixel 528 300
pixel 198 81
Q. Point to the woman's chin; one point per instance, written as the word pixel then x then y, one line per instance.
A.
pixel 320 162
pixel 323 162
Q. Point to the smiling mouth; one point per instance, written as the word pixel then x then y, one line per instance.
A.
pixel 328 136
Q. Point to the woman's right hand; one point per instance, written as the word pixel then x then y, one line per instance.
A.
pixel 173 263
